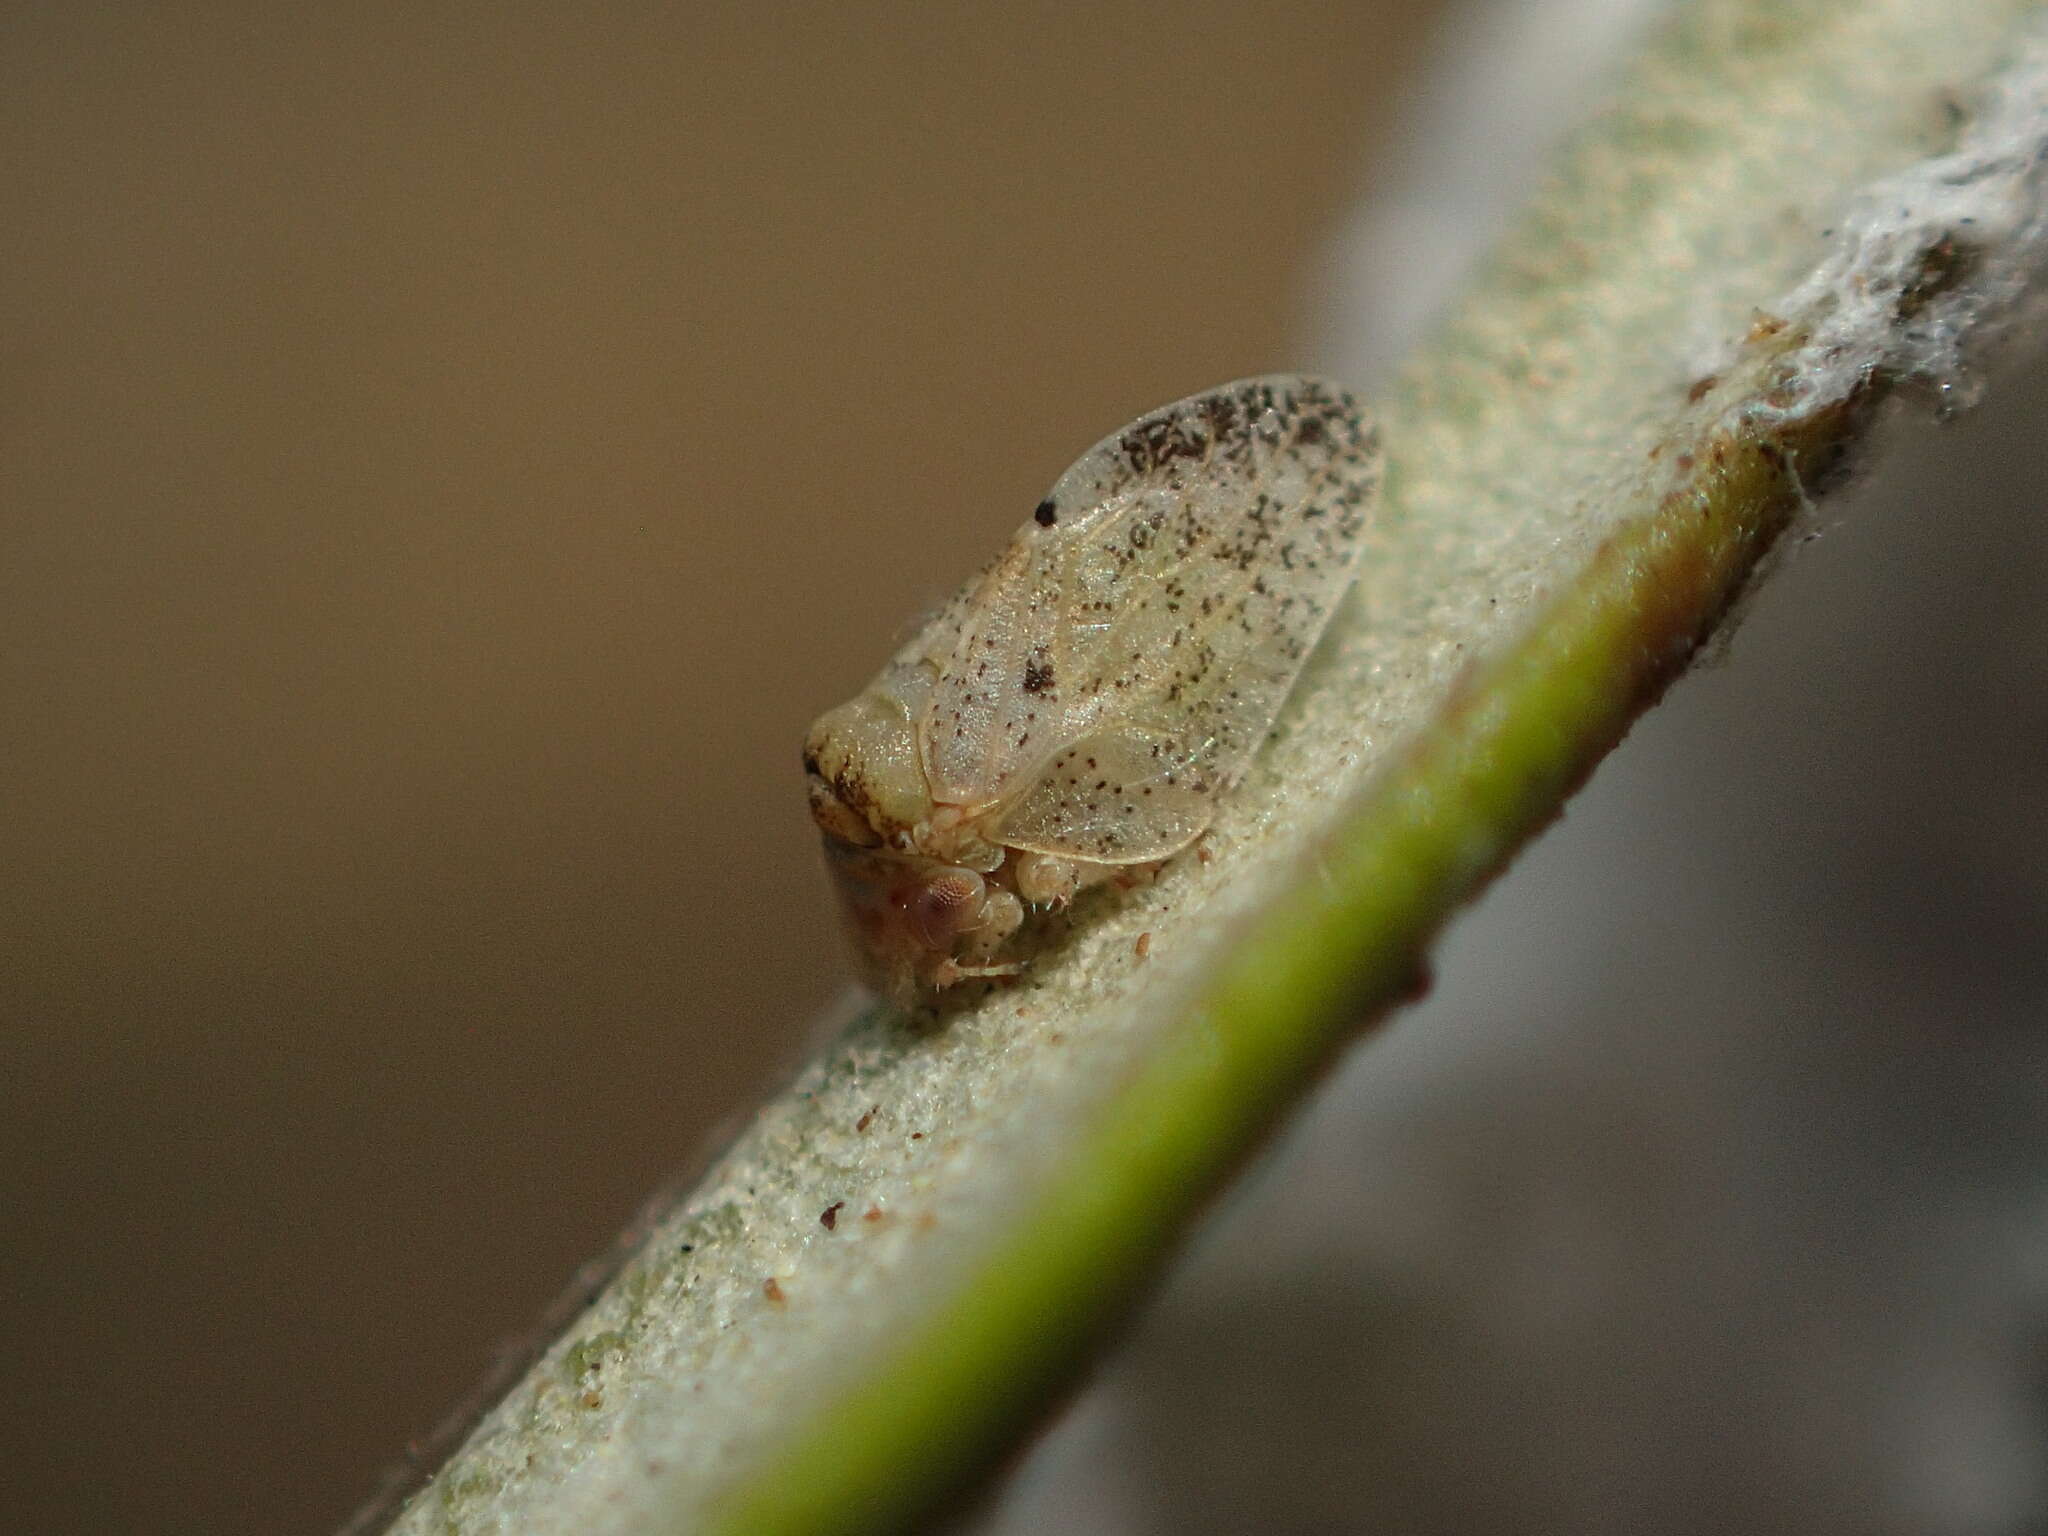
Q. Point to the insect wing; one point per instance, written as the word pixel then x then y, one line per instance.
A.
pixel 1119 664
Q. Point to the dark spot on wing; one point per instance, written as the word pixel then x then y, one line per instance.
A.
pixel 1037 675
pixel 1158 441
pixel 1048 513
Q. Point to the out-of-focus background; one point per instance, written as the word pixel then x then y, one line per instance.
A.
pixel 446 457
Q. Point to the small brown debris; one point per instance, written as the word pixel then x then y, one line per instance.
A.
pixel 1202 853
pixel 1143 948
pixel 917 1135
pixel 872 1213
pixel 1421 982
pixel 593 1399
pixel 829 1217
pixel 1764 326
pixel 772 1289
pixel 867 1119
pixel 1701 388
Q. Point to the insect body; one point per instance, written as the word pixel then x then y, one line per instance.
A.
pixel 1073 714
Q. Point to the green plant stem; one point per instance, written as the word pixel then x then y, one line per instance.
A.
pixel 1588 464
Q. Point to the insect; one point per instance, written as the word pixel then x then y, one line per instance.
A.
pixel 1073 714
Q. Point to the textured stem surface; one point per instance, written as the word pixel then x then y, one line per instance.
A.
pixel 1786 212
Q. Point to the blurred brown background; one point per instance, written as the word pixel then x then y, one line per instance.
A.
pixel 446 456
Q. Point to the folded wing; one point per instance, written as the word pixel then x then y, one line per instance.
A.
pixel 1115 669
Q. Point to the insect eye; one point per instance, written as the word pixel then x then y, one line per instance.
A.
pixel 946 904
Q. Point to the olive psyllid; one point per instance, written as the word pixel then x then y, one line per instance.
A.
pixel 1073 714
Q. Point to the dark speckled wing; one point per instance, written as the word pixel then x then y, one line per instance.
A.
pixel 1118 665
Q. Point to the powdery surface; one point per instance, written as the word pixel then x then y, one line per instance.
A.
pixel 1515 445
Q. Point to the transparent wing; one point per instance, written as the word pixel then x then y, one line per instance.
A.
pixel 908 678
pixel 1120 662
